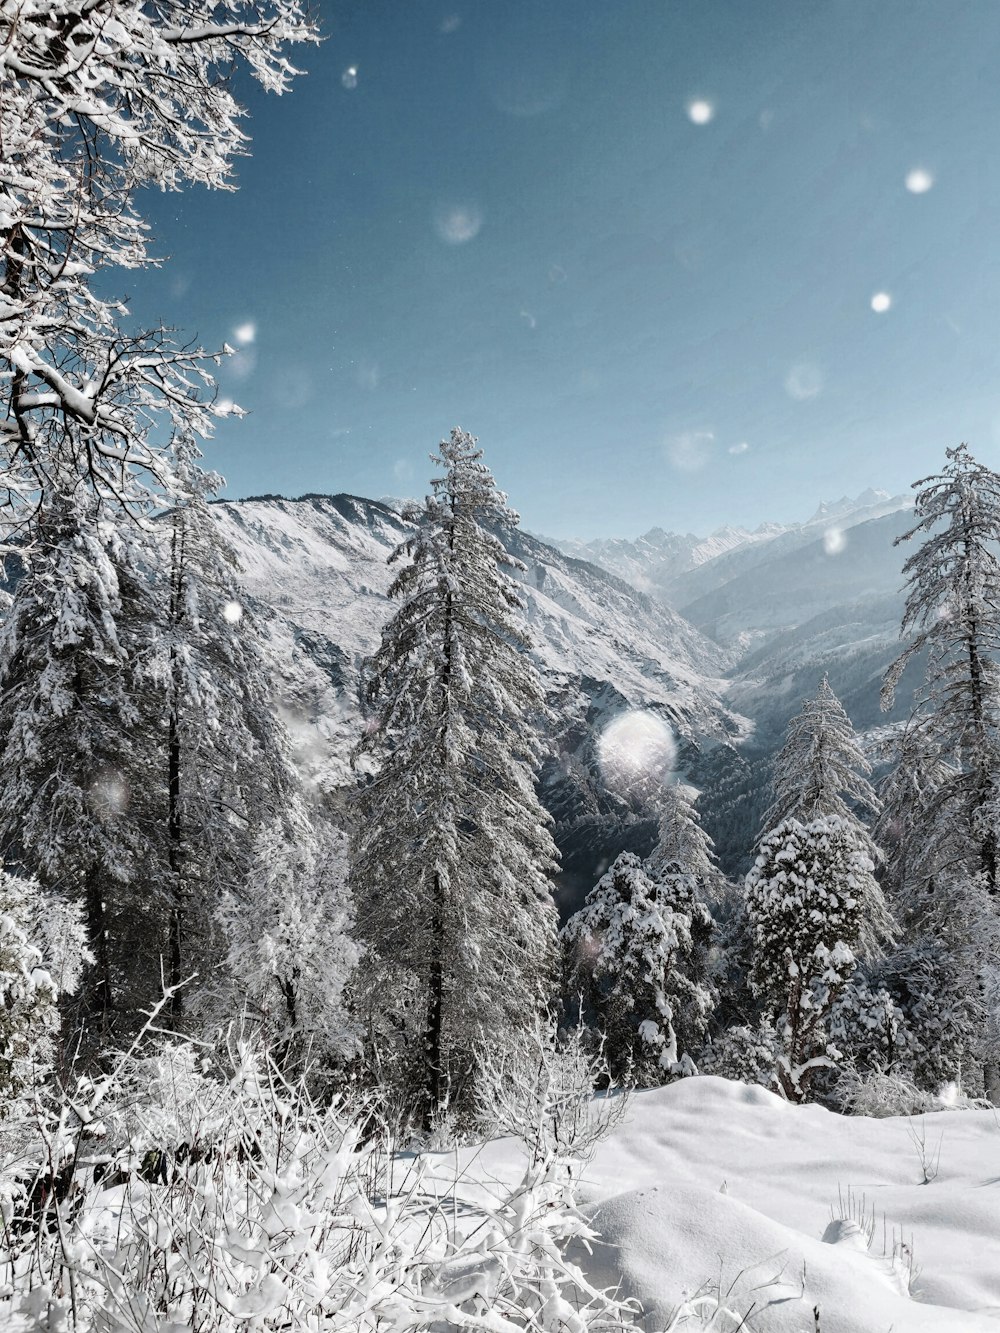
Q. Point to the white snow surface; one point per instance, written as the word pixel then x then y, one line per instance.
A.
pixel 710 1182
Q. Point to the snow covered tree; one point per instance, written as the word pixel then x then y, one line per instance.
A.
pixel 683 867
pixel 289 930
pixel 953 613
pixel 815 908
pixel 629 952
pixel 31 961
pixel 452 848
pixel 99 102
pixel 683 856
pixel 77 804
pixel 820 770
pixel 227 772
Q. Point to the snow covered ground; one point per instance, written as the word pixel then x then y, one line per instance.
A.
pixel 710 1182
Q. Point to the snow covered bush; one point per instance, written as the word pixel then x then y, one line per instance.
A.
pixel 29 1014
pixel 628 953
pixel 290 947
pixel 814 907
pixel 221 1197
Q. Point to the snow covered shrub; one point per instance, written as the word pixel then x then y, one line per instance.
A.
pixel 543 1092
pixel 628 952
pixel 880 1093
pixel 745 1054
pixel 865 1021
pixel 167 1194
pixel 29 1014
pixel 814 906
pixel 290 950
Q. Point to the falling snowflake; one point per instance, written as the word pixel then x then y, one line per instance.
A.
pixel 881 302
pixel 700 112
pixel 232 613
pixel 804 381
pixel 919 181
pixel 834 541
pixel 458 223
pixel 349 78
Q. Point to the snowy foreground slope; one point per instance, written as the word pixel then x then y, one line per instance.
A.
pixel 709 1181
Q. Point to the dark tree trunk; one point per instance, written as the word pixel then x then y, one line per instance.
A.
pixel 98 1002
pixel 433 1043
pixel 174 823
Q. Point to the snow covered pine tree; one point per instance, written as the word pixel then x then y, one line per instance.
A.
pixel 815 907
pixel 943 797
pixel 953 611
pixel 629 952
pixel 813 904
pixel 99 102
pixel 452 849
pixel 821 770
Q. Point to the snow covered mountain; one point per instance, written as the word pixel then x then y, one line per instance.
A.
pixel 320 564
pixel 679 567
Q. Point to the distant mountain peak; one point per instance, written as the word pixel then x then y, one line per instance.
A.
pixel 828 509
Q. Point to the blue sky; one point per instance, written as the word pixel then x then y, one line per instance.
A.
pixel 512 223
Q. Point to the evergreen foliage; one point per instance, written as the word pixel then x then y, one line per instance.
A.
pixel 820 770
pixel 79 801
pixel 28 991
pixel 953 612
pixel 226 771
pixel 452 847
pixel 814 908
pixel 630 954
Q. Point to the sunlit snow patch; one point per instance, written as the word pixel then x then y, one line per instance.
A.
pixel 458 223
pixel 881 302
pixel 700 111
pixel 834 541
pixel 804 381
pixel 919 181
pixel 232 613
pixel 637 753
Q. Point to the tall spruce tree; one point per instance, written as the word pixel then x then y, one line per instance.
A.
pixel 630 954
pixel 452 849
pixel 225 756
pixel 78 805
pixel 814 908
pixel 821 770
pixel 953 614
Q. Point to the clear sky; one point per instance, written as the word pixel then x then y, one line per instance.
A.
pixel 632 245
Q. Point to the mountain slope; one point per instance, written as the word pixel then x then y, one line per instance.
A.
pixel 320 564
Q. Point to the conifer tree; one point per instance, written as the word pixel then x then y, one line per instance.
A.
pixel 683 867
pixel 629 953
pixel 452 847
pixel 953 614
pixel 814 908
pixel 820 770
pixel 225 755
pixel 77 802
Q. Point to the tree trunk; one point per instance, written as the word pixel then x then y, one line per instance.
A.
pixel 98 1002
pixel 174 825
pixel 433 1044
